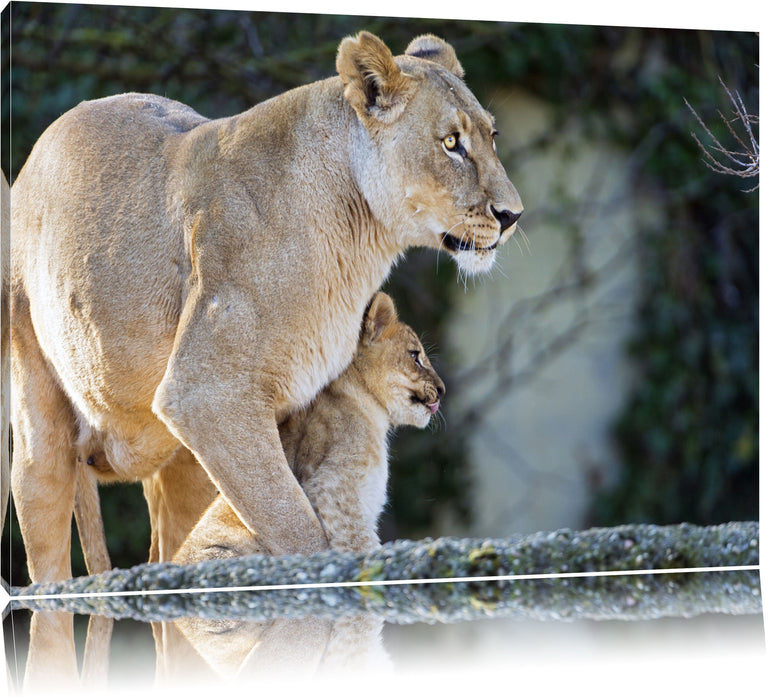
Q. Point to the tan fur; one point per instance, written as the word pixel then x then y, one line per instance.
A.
pixel 337 447
pixel 180 285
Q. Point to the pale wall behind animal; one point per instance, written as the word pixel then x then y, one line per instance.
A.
pixel 549 328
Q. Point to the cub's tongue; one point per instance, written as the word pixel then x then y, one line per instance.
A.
pixel 433 407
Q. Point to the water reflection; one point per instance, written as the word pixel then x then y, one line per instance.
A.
pixel 240 649
pixel 236 637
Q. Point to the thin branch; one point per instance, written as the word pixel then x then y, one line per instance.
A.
pixel 745 162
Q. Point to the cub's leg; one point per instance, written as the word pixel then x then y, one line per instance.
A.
pixel 348 499
pixel 43 476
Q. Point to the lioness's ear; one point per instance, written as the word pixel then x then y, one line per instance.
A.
pixel 432 48
pixel 380 314
pixel 374 85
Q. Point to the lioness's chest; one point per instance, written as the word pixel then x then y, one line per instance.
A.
pixel 318 359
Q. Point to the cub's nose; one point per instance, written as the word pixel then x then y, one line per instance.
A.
pixel 505 217
pixel 440 389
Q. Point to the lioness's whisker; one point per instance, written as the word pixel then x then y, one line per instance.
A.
pixel 524 237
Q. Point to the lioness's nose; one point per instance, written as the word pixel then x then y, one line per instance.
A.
pixel 505 217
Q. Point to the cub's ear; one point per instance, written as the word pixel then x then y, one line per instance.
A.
pixel 374 85
pixel 432 48
pixel 380 314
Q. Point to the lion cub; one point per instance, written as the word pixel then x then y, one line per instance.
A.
pixel 338 446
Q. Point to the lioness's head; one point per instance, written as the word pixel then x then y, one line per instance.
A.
pixel 426 160
pixel 392 362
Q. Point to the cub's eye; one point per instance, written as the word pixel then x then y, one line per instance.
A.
pixel 451 142
pixel 415 355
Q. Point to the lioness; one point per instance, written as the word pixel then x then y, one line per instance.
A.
pixel 180 285
pixel 337 447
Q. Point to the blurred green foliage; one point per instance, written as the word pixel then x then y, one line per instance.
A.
pixel 688 436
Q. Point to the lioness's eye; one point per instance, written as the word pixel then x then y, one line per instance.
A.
pixel 450 141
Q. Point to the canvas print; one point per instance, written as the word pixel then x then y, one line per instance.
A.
pixel 320 328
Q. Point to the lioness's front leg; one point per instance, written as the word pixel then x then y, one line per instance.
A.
pixel 217 399
pixel 255 479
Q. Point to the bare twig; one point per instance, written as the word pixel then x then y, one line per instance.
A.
pixel 744 162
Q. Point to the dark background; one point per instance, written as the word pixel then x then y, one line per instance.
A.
pixel 687 438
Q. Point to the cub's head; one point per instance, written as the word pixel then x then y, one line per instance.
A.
pixel 391 360
pixel 426 154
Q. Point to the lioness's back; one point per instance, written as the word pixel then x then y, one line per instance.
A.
pixel 105 151
pixel 166 114
pixel 130 114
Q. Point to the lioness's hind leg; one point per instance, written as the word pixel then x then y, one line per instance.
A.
pixel 177 495
pixel 43 471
